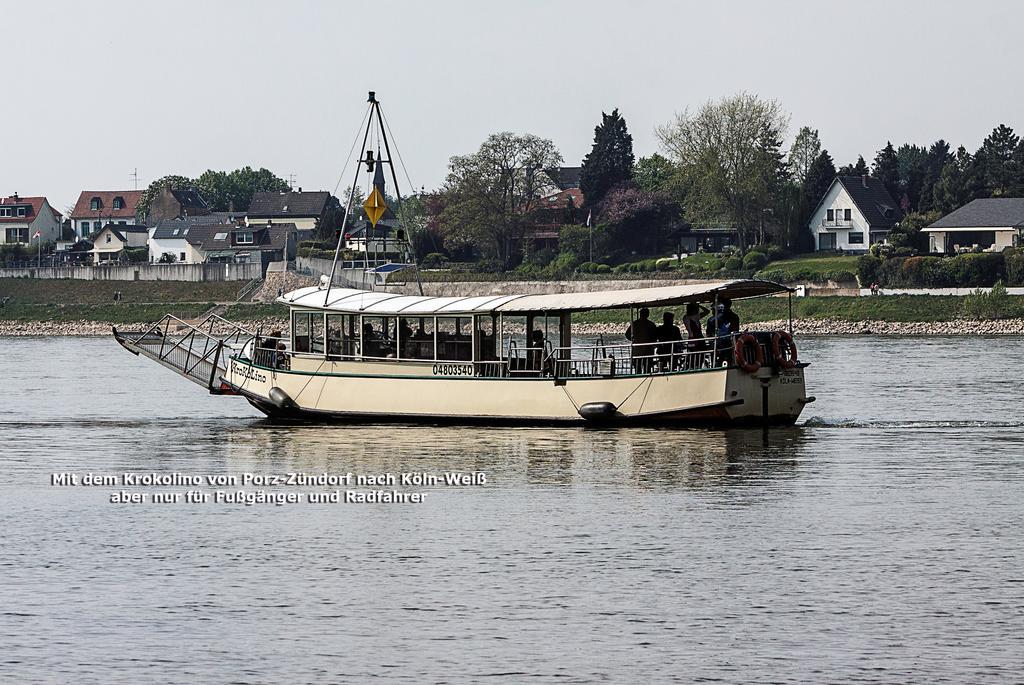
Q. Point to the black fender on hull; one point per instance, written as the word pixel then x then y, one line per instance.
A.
pixel 598 412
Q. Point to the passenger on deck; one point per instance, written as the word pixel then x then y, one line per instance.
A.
pixel 695 337
pixel 405 338
pixel 535 350
pixel 668 335
pixel 724 325
pixel 642 333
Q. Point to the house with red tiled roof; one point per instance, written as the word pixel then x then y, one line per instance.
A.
pixel 22 218
pixel 97 208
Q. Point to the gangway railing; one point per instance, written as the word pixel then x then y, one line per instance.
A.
pixel 198 352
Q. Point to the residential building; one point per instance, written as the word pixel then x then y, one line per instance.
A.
pixel 564 177
pixel 307 210
pixel 553 211
pixel 176 204
pixel 856 212
pixel 22 217
pixel 981 225
pixel 707 238
pixel 97 208
pixel 198 242
pixel 113 239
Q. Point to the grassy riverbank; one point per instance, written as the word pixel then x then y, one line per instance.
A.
pixel 67 292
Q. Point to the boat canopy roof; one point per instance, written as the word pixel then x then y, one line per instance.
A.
pixel 352 301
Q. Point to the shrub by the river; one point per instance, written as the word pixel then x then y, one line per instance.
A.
pixel 994 304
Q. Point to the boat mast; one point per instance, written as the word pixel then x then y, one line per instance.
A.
pixel 369 160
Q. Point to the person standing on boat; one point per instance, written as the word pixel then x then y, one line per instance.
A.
pixel 724 325
pixel 643 334
pixel 694 334
pixel 668 335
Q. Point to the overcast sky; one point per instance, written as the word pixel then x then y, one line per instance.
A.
pixel 93 90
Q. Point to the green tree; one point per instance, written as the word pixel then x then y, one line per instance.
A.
pixel 492 195
pixel 610 160
pixel 938 157
pixel 653 173
pixel 958 183
pixel 858 169
pixel 819 179
pixel 729 152
pixel 805 149
pixel 997 161
pixel 886 169
pixel 172 182
pixel 907 233
pixel 912 164
pixel 233 190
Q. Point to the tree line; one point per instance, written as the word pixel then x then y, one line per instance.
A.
pixel 723 164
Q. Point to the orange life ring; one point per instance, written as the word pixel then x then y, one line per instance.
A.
pixel 783 359
pixel 739 353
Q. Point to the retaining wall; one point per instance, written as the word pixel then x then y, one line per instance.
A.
pixel 142 272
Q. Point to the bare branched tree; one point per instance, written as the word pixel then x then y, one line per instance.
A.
pixel 492 194
pixel 730 153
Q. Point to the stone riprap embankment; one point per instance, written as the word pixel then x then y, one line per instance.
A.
pixel 800 327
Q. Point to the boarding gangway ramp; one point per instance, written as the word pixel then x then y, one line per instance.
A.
pixel 198 352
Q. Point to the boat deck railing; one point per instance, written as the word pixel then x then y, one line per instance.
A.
pixel 595 360
pixel 195 351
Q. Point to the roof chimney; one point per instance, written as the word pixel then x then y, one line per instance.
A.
pixel 15 196
pixel 864 180
pixel 300 189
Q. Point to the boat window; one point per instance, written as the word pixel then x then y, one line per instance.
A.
pixel 342 336
pixel 379 337
pixel 416 336
pixel 454 338
pixel 300 331
pixel 316 333
pixel 486 348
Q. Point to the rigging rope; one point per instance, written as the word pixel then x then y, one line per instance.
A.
pixel 348 157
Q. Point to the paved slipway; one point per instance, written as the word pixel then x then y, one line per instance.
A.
pixel 800 327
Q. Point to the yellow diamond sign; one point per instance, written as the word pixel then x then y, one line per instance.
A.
pixel 375 206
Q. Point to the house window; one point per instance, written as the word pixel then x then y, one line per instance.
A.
pixel 118 203
pixel 826 241
pixel 847 215
pixel 243 238
pixel 17 235
pixel 21 211
pixel 182 257
pixel 830 215
pixel 95 204
pixel 856 238
pixel 5 211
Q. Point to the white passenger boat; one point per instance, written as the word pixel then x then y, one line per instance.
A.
pixel 353 354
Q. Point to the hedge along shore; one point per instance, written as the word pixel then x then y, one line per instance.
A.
pixel 800 327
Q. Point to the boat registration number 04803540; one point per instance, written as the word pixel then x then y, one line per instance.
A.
pixel 453 370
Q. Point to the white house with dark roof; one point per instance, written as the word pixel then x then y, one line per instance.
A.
pixel 199 242
pixel 855 212
pixel 111 241
pixel 307 210
pixel 987 225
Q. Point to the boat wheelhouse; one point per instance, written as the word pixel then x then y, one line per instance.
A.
pixel 353 355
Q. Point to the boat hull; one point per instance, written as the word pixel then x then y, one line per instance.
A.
pixel 360 392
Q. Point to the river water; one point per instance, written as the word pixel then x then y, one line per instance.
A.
pixel 880 540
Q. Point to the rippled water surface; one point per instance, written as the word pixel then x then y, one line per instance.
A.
pixel 881 540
